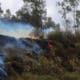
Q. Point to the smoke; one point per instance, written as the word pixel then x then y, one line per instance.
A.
pixel 15 29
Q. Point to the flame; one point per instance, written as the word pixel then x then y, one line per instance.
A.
pixel 34 37
pixel 50 44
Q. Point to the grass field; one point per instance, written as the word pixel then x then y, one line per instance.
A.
pixel 30 76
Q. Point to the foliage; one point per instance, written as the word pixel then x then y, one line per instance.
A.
pixel 1 11
pixel 69 7
pixel 65 64
pixel 33 12
pixel 8 14
pixel 57 35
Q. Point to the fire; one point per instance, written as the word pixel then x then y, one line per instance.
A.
pixel 34 37
pixel 50 44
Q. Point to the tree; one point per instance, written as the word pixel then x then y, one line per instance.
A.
pixel 78 18
pixel 64 9
pixel 69 7
pixel 7 14
pixel 33 12
pixel 1 11
pixel 74 6
pixel 51 24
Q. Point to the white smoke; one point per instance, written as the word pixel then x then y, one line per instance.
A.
pixel 15 29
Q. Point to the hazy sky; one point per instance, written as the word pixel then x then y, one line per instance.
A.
pixel 14 5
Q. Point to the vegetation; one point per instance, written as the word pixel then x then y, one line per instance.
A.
pixel 61 58
pixel 62 62
pixel 34 13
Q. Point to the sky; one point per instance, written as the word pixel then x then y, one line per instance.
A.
pixel 14 5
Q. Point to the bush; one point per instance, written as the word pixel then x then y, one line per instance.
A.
pixel 57 36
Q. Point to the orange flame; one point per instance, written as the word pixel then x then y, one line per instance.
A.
pixel 50 44
pixel 34 37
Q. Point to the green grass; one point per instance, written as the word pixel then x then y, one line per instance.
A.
pixel 71 76
pixel 77 45
pixel 65 76
pixel 29 76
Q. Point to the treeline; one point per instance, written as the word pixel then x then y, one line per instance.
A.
pixel 32 12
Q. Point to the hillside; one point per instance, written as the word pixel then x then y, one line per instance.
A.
pixel 38 56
